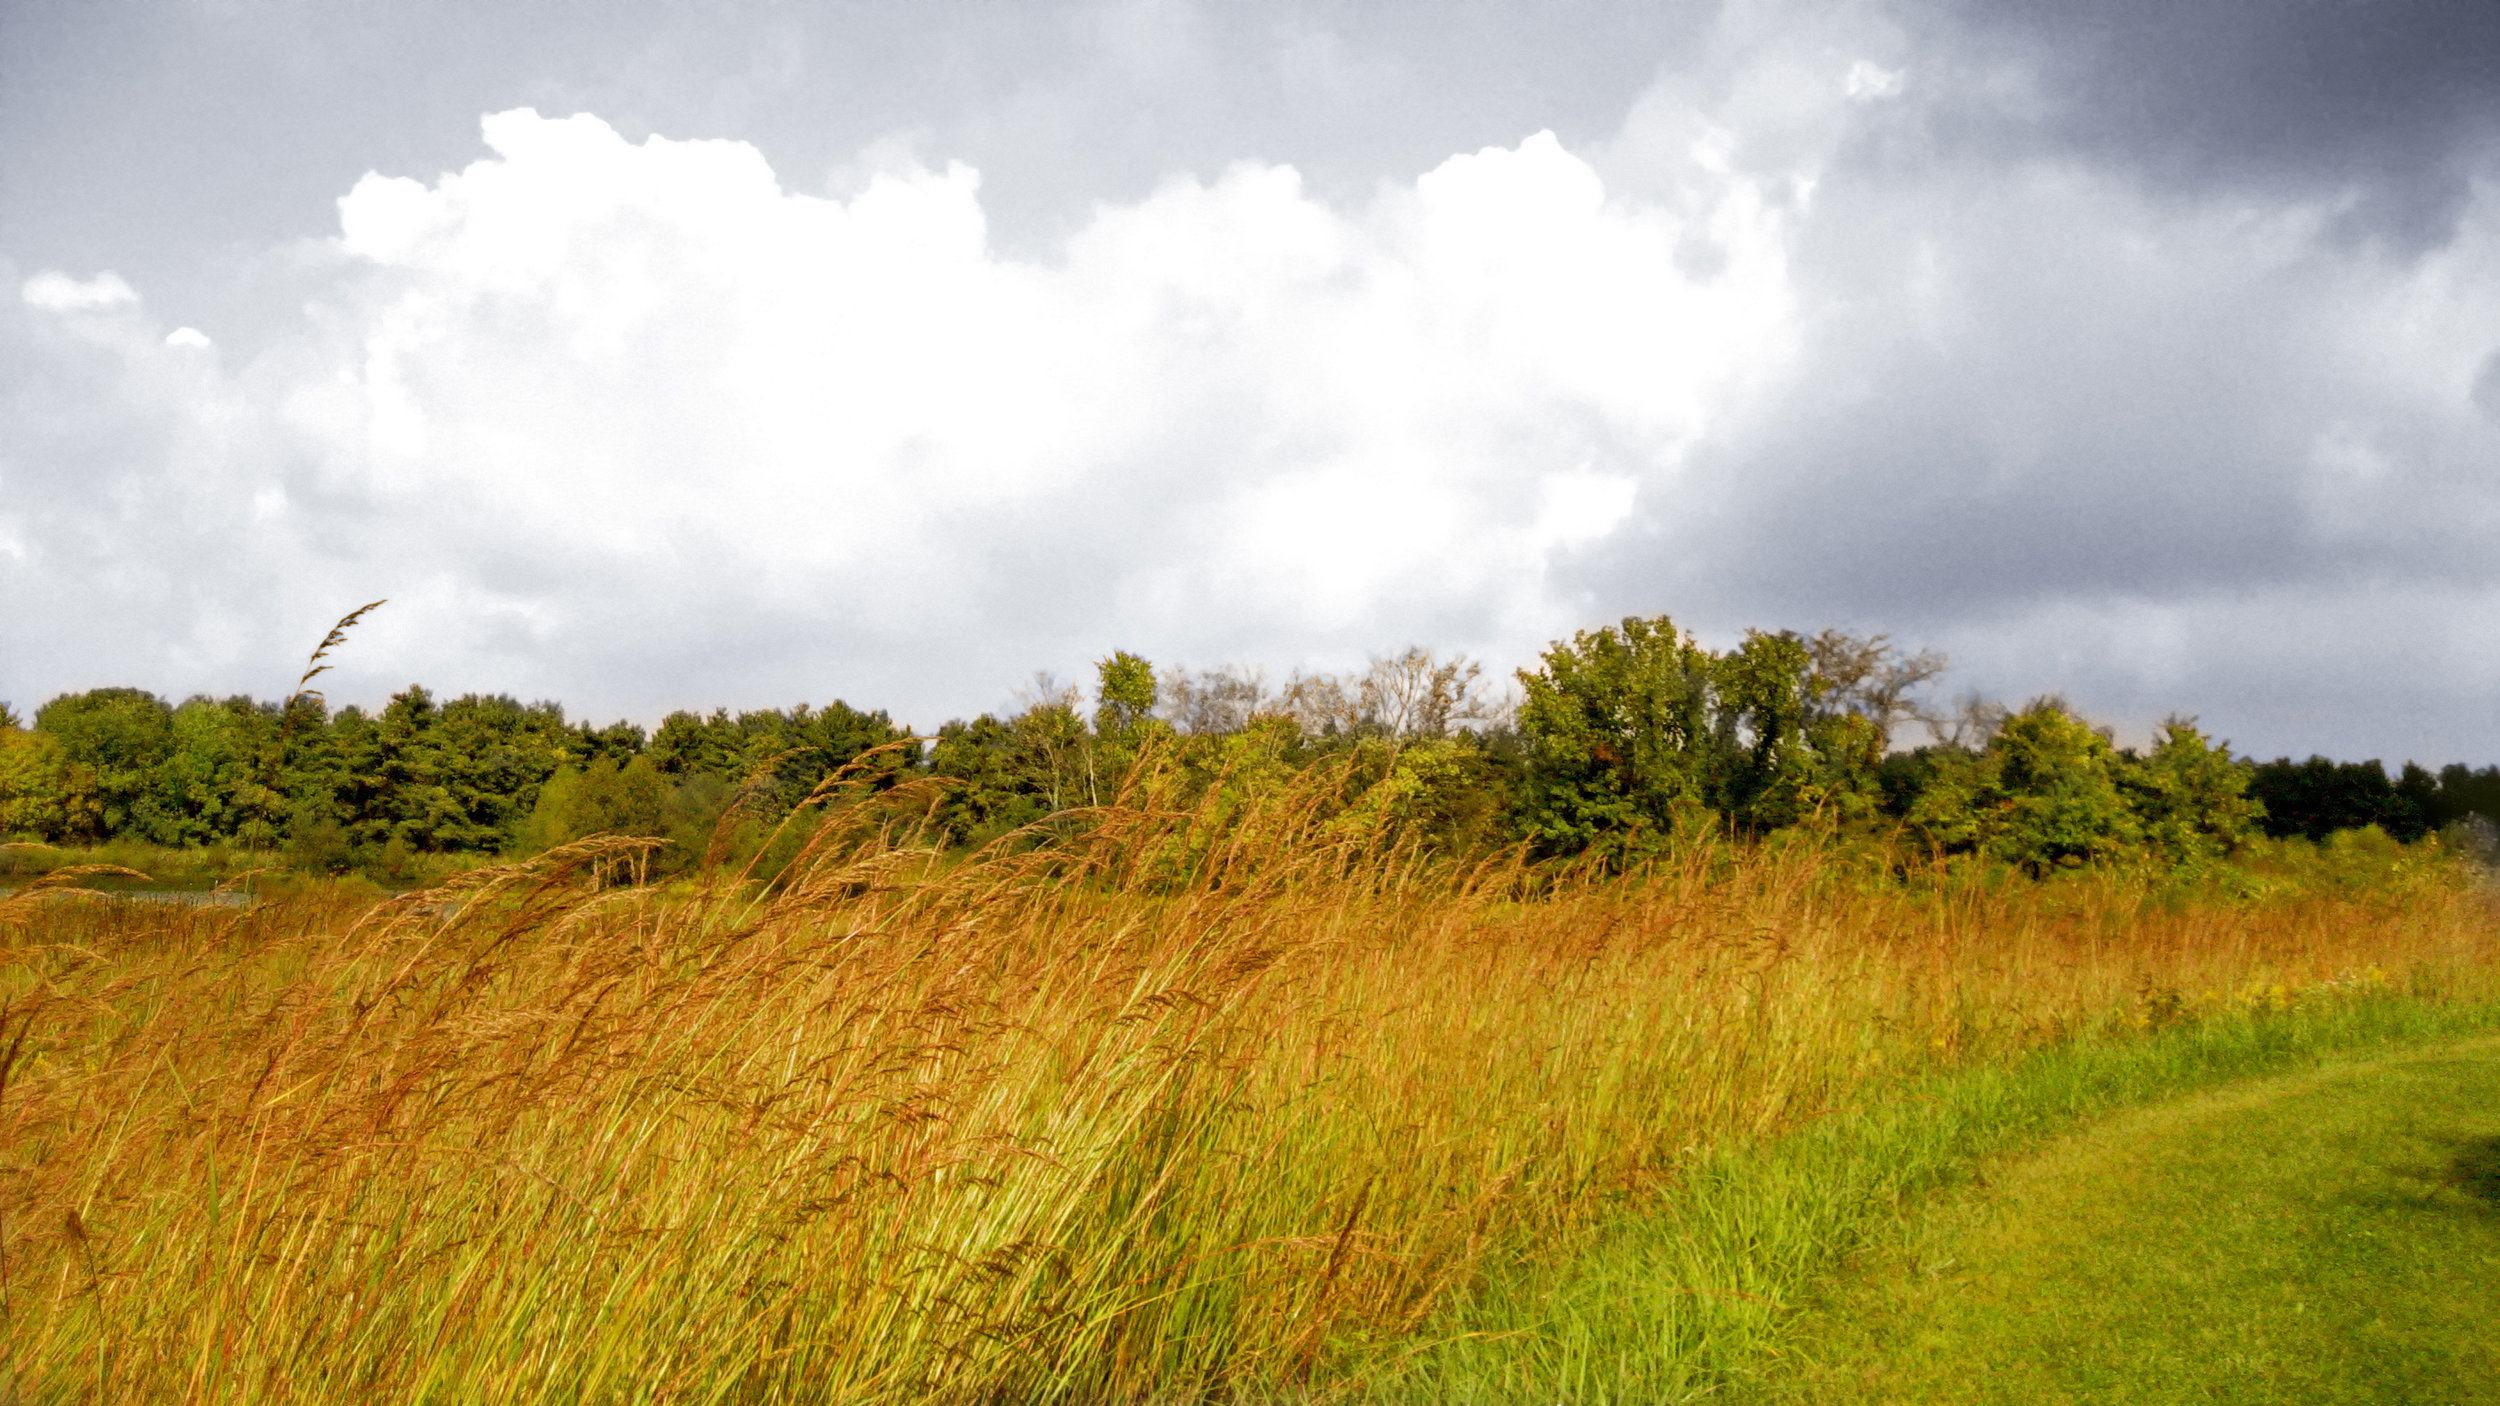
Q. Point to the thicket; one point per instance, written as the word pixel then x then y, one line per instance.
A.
pixel 1625 739
pixel 2318 797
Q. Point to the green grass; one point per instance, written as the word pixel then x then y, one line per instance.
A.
pixel 1700 1292
pixel 206 866
pixel 2328 1236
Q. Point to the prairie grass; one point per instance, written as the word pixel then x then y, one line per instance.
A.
pixel 1178 1099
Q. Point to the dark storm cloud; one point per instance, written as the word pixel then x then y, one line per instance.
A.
pixel 2114 389
pixel 2396 102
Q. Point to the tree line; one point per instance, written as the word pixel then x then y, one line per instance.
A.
pixel 1621 740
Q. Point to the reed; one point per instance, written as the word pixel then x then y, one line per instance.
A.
pixel 1206 1093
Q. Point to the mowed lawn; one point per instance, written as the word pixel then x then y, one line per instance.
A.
pixel 2332 1236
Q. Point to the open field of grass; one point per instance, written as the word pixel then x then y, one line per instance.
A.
pixel 2331 1236
pixel 1175 1104
pixel 1696 1294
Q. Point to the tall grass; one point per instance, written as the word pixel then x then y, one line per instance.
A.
pixel 1176 1100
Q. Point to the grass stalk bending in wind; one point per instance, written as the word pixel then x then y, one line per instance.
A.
pixel 1172 1101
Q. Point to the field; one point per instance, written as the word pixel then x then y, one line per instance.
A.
pixel 2323 1237
pixel 1165 1104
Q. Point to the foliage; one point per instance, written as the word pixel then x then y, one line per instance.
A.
pixel 2464 792
pixel 1126 693
pixel 1619 729
pixel 114 745
pixel 217 784
pixel 607 799
pixel 1629 741
pixel 2190 796
pixel 2050 791
pixel 2317 797
pixel 1010 773
pixel 37 798
pixel 1636 732
pixel 2045 793
pixel 779 758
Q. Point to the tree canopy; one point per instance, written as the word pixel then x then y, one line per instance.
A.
pixel 1622 739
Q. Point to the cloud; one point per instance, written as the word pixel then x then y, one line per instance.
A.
pixel 58 292
pixel 635 414
pixel 2380 110
pixel 1854 320
pixel 2161 449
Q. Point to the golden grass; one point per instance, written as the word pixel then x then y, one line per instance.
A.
pixel 1174 1102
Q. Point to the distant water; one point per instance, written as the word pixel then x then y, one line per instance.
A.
pixel 195 898
pixel 188 898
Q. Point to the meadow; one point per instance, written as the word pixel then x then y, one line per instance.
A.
pixel 1211 1094
pixel 2324 1237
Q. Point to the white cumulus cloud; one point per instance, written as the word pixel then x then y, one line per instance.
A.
pixel 55 291
pixel 636 412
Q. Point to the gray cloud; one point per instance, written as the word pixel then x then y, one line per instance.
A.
pixel 2145 352
pixel 2392 104
pixel 2160 438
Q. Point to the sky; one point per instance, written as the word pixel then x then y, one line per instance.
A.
pixel 649 356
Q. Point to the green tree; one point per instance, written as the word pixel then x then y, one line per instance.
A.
pixel 115 742
pixel 2318 797
pixel 1125 693
pixel 1942 794
pixel 1009 773
pixel 1863 689
pixel 777 759
pixel 1444 794
pixel 2418 804
pixel 36 800
pixel 2045 794
pixel 317 781
pixel 619 742
pixel 2190 796
pixel 215 781
pixel 425 777
pixel 602 799
pixel 690 744
pixel 1767 772
pixel 2058 777
pixel 2465 791
pixel 1618 731
pixel 490 754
